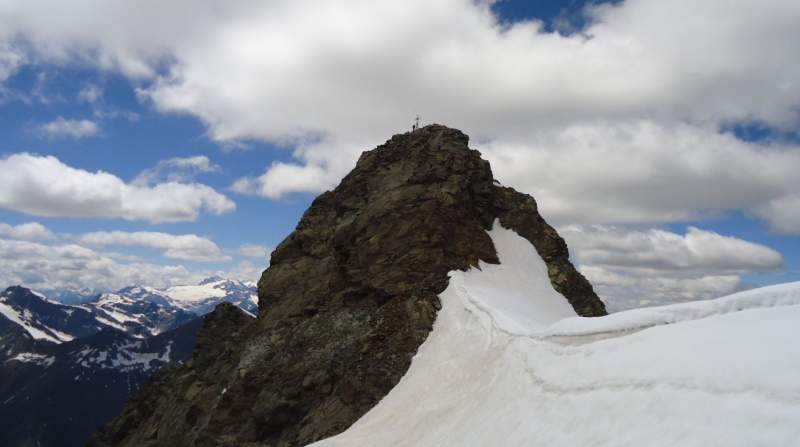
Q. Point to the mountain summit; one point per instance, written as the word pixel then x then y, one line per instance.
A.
pixel 348 299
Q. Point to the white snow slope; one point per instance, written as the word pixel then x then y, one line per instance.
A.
pixel 509 364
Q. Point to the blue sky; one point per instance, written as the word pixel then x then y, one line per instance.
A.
pixel 637 138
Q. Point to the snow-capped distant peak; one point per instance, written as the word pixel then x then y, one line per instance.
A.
pixel 195 293
pixel 212 279
pixel 27 321
pixel 31 311
pixel 138 290
pixel 39 294
pixel 204 297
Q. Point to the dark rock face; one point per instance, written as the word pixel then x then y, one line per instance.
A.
pixel 13 339
pixel 349 297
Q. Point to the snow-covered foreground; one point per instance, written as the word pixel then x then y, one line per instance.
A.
pixel 509 364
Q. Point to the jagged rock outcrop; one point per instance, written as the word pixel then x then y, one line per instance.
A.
pixel 348 298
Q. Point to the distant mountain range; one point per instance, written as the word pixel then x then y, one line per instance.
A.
pixel 198 299
pixel 66 369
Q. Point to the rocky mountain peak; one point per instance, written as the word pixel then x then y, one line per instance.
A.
pixel 21 295
pixel 347 300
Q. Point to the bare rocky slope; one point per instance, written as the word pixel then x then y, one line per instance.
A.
pixel 348 298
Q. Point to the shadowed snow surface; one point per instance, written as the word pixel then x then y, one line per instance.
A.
pixel 509 363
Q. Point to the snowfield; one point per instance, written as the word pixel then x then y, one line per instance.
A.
pixel 202 298
pixel 123 356
pixel 31 357
pixel 508 363
pixel 35 328
pixel 192 293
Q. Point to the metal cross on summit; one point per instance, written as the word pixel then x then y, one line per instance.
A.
pixel 416 124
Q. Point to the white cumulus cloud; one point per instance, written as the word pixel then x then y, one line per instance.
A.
pixel 71 266
pixel 10 59
pixel 26 231
pixel 178 169
pixel 632 267
pixel 61 127
pixel 642 171
pixel 254 251
pixel 91 93
pixel 45 186
pixel 189 247
pixel 783 213
pixel 81 266
pixel 246 271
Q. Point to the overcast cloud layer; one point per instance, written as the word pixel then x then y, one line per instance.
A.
pixel 621 122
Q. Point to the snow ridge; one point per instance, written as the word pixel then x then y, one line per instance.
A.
pixel 496 369
pixel 779 295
